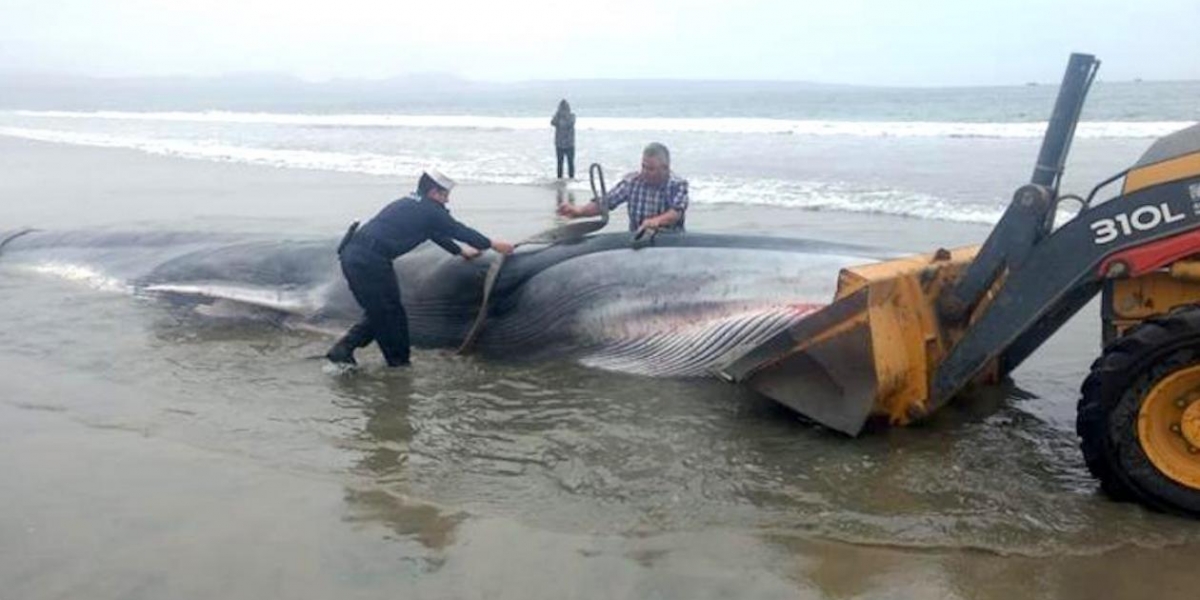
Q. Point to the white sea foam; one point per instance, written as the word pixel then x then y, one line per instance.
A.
pixel 369 163
pixel 819 196
pixel 733 125
pixel 807 195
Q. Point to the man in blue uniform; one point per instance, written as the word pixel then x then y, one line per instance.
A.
pixel 367 254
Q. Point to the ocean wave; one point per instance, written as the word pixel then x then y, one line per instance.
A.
pixel 366 163
pixel 803 195
pixel 839 197
pixel 900 129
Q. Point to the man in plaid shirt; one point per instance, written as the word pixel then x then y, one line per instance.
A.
pixel 657 198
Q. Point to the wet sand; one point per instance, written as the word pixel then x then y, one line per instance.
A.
pixel 145 455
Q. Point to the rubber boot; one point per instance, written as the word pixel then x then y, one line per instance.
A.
pixel 342 353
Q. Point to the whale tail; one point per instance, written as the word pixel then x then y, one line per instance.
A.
pixel 9 236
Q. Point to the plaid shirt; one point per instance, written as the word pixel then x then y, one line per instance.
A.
pixel 647 201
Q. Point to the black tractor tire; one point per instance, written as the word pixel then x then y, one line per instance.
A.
pixel 1112 395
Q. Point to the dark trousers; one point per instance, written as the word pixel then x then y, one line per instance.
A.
pixel 569 154
pixel 373 282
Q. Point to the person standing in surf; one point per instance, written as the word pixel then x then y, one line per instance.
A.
pixel 366 254
pixel 564 137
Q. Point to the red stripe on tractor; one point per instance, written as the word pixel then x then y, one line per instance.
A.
pixel 1153 256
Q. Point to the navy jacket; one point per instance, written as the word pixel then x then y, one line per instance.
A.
pixel 409 221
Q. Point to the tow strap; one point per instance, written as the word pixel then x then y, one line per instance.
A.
pixel 567 232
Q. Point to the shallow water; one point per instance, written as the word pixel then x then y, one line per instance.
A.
pixel 150 452
pixel 555 446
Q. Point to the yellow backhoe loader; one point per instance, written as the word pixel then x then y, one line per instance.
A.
pixel 904 337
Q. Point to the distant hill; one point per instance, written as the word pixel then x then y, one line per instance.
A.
pixel 268 91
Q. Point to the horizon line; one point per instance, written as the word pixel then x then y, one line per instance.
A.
pixel 455 78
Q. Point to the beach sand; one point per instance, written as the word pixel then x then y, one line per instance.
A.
pixel 145 457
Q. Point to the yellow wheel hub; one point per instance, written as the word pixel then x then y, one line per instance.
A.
pixel 1169 426
pixel 1190 425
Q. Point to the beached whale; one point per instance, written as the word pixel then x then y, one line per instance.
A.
pixel 671 306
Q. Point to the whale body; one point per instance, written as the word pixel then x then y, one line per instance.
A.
pixel 671 307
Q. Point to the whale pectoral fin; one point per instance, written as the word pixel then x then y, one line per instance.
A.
pixel 291 302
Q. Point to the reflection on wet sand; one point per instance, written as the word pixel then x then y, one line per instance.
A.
pixel 842 570
pixel 384 496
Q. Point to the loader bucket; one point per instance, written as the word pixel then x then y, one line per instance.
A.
pixel 872 352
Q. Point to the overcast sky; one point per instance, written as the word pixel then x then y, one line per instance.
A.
pixel 909 42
